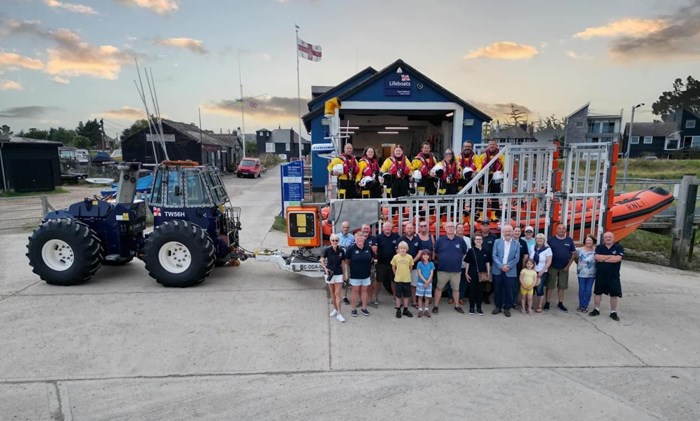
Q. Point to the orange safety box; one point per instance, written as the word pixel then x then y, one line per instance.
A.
pixel 303 226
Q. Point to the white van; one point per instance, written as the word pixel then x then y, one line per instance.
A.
pixel 82 155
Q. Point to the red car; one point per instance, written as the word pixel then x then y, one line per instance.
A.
pixel 250 166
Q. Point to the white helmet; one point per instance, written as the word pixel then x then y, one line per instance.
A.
pixel 437 168
pixel 467 170
pixel 417 176
pixel 338 169
pixel 498 176
pixel 366 180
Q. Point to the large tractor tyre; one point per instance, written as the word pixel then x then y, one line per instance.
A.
pixel 178 254
pixel 64 252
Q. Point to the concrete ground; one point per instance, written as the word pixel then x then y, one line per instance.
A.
pixel 253 342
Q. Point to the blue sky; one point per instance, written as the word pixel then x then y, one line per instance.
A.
pixel 66 61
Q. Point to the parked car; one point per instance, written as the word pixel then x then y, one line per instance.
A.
pixel 250 167
pixel 117 155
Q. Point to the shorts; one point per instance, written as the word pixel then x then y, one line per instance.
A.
pixel 608 286
pixel 524 291
pixel 336 279
pixel 557 278
pixel 360 282
pixel 403 289
pixel 414 277
pixel 383 271
pixel 424 291
pixel 453 278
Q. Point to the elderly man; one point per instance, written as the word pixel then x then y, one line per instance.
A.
pixel 563 254
pixel 450 251
pixel 608 257
pixel 387 241
pixel 505 256
pixel 346 238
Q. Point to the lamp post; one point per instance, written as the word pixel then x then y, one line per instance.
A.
pixel 629 142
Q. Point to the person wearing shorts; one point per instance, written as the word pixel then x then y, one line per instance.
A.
pixel 424 287
pixel 359 260
pixel 563 254
pixel 401 264
pixel 608 257
pixel 450 251
pixel 332 263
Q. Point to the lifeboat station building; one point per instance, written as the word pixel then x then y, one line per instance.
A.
pixel 396 105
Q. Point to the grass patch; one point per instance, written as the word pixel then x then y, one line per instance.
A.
pixel 280 224
pixel 649 247
pixel 58 190
pixel 660 168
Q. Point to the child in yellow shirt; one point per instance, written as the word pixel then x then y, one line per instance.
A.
pixel 401 264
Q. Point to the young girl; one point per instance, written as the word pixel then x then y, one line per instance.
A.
pixel 425 287
pixel 528 281
pixel 401 264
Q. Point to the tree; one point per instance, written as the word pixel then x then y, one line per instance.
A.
pixel 136 127
pixel 63 135
pixel 91 130
pixel 5 132
pixel 671 101
pixel 35 134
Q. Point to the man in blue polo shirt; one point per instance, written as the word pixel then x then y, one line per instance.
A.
pixel 608 258
pixel 563 253
pixel 450 251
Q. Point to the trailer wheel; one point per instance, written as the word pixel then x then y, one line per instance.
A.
pixel 64 252
pixel 179 254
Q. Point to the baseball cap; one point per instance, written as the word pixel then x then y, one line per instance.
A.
pixel 529 228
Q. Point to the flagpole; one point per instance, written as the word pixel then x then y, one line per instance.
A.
pixel 240 82
pixel 296 48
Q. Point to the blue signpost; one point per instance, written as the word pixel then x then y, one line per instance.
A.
pixel 292 179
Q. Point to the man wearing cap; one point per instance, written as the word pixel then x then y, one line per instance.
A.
pixel 563 253
pixel 489 239
pixel 529 236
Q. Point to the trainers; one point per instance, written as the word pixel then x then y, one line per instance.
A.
pixel 420 313
pixel 479 312
pixel 459 310
pixel 407 313
pixel 398 313
pixel 426 313
pixel 365 312
pixel 436 310
pixel 340 318
pixel 334 313
pixel 546 306
pixel 496 310
pixel 561 307
pixel 614 316
pixel 472 312
pixel 353 313
pixel 593 313
pixel 375 303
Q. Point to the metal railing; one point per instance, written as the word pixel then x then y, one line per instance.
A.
pixel 20 213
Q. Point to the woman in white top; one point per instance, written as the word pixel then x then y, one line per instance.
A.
pixel 541 254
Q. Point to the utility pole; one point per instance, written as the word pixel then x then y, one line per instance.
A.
pixel 629 142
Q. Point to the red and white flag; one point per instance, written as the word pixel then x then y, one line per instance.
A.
pixel 308 51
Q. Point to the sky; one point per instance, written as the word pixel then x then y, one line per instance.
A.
pixel 62 62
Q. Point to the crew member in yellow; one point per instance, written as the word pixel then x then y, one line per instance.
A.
pixel 368 178
pixel 495 175
pixel 470 163
pixel 345 168
pixel 448 173
pixel 424 162
pixel 396 171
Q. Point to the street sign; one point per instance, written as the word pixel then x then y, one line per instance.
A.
pixel 292 180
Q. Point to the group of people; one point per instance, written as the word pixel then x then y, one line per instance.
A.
pixel 424 174
pixel 521 270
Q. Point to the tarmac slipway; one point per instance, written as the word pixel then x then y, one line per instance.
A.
pixel 253 342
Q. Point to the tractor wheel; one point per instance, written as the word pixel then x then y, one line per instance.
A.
pixel 178 254
pixel 64 252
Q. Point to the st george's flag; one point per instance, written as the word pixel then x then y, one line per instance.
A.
pixel 308 51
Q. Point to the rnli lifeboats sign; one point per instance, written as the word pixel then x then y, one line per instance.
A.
pixel 292 178
pixel 398 84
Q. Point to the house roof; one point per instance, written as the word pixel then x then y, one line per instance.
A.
pixel 578 110
pixel 195 133
pixel 378 75
pixel 28 140
pixel 334 90
pixel 228 139
pixel 282 136
pixel 513 132
pixel 652 129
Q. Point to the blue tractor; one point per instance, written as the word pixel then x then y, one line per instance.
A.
pixel 195 228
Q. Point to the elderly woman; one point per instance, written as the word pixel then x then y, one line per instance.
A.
pixel 541 254
pixel 359 258
pixel 585 269
pixel 332 263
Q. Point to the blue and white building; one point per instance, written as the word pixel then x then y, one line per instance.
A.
pixel 396 105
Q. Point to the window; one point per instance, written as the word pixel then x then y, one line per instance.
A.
pixel 270 147
pixel 609 127
pixel 635 140
pixel 672 144
pixel 695 142
pixel 648 140
pixel 690 124
pixel 287 147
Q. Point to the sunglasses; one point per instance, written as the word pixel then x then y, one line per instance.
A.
pixel 334 241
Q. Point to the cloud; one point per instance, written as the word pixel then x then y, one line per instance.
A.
pixel 280 107
pixel 575 56
pixel 194 45
pixel 624 27
pixel 15 61
pixel 32 111
pixel 504 50
pixel 71 7
pixel 61 80
pixel 159 6
pixel 123 113
pixel 10 85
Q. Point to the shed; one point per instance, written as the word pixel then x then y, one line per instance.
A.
pixel 29 165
